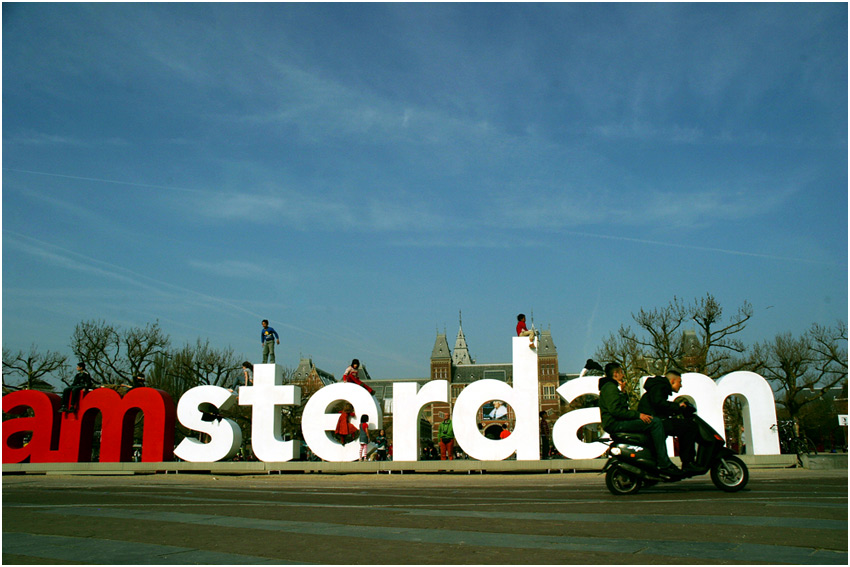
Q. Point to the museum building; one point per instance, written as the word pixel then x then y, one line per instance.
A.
pixel 458 368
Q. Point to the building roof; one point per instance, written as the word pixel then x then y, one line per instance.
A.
pixel 467 373
pixel 441 348
pixel 545 345
pixel 306 367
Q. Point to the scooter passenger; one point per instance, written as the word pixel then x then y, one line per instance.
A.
pixel 675 416
pixel 617 417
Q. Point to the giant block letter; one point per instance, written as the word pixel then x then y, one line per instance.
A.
pixel 759 406
pixel 408 400
pixel 43 426
pixel 225 434
pixel 565 431
pixel 316 423
pixel 522 397
pixel 73 441
pixel 707 395
pixel 267 393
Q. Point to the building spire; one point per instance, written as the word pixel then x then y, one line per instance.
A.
pixel 460 355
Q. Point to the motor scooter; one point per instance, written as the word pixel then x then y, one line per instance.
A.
pixel 631 461
pixel 632 465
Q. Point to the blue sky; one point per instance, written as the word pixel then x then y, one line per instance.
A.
pixel 357 174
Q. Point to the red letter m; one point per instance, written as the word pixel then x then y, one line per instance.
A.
pixel 77 429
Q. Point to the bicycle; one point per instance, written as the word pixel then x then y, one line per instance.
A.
pixel 790 441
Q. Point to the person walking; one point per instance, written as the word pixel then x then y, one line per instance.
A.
pixel 268 337
pixel 446 435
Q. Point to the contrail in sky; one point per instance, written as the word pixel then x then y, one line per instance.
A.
pixel 703 248
pixel 80 262
pixel 83 263
pixel 146 185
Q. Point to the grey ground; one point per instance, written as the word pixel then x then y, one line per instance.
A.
pixel 791 516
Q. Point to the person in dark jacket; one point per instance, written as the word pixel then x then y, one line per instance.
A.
pixel 617 417
pixel 71 395
pixel 139 380
pixel 674 415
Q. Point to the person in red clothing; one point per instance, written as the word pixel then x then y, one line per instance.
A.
pixel 351 375
pixel 522 330
pixel 505 433
pixel 344 427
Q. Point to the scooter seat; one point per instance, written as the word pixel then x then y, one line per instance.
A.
pixel 630 438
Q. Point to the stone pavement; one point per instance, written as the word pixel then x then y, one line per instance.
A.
pixel 790 516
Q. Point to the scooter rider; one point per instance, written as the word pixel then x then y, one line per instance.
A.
pixel 673 415
pixel 617 417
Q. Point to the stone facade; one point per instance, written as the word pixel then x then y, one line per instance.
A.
pixel 460 369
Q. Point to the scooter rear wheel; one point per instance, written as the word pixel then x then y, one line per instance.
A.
pixel 732 477
pixel 621 483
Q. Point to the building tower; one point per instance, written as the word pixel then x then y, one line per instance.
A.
pixel 460 355
pixel 441 369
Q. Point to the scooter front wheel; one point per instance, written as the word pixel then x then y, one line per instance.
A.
pixel 730 474
pixel 620 482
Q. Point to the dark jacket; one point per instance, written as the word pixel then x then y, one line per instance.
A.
pixel 654 401
pixel 614 404
pixel 83 380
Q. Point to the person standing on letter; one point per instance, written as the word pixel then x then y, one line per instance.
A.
pixel 268 336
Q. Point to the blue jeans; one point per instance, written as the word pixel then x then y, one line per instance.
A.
pixel 268 351
pixel 655 430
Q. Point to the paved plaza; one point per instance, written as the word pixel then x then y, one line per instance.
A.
pixel 785 516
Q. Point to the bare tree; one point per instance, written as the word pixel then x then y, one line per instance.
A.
pixel 802 369
pixel 663 343
pixel 661 346
pixel 33 366
pixel 113 355
pixel 203 365
pixel 719 351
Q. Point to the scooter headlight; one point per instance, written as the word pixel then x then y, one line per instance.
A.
pixel 615 451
